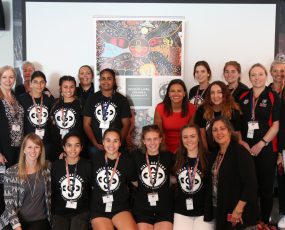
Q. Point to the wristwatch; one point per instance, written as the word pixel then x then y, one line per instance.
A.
pixel 265 142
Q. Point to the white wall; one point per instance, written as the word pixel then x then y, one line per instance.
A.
pixel 60 36
pixel 6 37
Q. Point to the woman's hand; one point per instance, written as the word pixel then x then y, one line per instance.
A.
pixel 236 217
pixel 244 144
pixel 99 146
pixel 255 150
pixel 2 159
pixel 62 155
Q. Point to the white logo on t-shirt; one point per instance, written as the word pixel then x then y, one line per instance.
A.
pixel 102 180
pixel 65 119
pixel 72 192
pixel 110 114
pixel 35 119
pixel 183 180
pixel 160 178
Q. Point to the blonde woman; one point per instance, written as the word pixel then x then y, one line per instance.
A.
pixel 27 189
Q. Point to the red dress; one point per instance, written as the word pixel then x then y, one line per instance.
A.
pixel 172 124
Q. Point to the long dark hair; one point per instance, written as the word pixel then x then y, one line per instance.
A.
pixel 227 105
pixel 167 101
pixel 181 153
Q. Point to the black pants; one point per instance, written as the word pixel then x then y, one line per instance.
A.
pixel 281 191
pixel 265 164
pixel 36 225
pixel 80 221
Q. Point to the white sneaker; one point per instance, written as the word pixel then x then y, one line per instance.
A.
pixel 281 223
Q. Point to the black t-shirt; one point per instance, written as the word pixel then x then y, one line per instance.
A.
pixel 161 186
pixel 118 108
pixel 197 194
pixel 65 117
pixel 203 123
pixel 83 95
pixel 125 172
pixel 80 193
pixel 32 121
pixel 197 98
pixel 236 93
pixel 263 111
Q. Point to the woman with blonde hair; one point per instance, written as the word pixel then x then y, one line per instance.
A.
pixel 27 188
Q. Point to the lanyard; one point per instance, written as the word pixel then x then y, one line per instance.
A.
pixel 105 106
pixel 196 97
pixel 63 115
pixel 68 175
pixel 152 180
pixel 38 110
pixel 218 163
pixel 253 105
pixel 191 176
pixel 109 180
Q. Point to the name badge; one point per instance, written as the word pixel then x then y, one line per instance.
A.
pixel 104 125
pixel 189 204
pixel 40 133
pixel 108 207
pixel 250 133
pixel 63 132
pixel 107 199
pixel 16 128
pixel 152 198
pixel 71 204
pixel 253 125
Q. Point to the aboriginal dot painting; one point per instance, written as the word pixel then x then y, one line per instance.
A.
pixel 140 47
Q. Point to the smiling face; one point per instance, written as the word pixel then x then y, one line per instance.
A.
pixel 190 139
pixel 152 141
pixel 111 143
pixel 257 77
pixel 216 94
pixel 231 74
pixel 7 80
pixel 85 76
pixel 278 73
pixel 201 74
pixel 67 89
pixel 72 148
pixel 32 151
pixel 221 133
pixel 107 81
pixel 176 93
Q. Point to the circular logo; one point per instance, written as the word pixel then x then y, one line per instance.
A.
pixel 65 119
pixel 110 113
pixel 159 180
pixel 184 182
pixel 37 117
pixel 102 180
pixel 73 191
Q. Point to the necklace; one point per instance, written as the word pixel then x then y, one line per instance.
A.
pixel 32 192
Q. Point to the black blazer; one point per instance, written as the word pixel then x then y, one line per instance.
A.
pixel 236 181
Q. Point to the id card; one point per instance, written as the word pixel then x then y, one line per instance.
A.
pixel 71 204
pixel 253 125
pixel 250 133
pixel 108 207
pixel 104 125
pixel 189 204
pixel 16 128
pixel 40 133
pixel 152 198
pixel 107 199
pixel 63 132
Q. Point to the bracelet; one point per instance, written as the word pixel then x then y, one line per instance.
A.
pixel 264 141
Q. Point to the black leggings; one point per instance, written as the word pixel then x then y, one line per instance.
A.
pixel 265 164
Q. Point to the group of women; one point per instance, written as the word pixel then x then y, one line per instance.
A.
pixel 217 148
